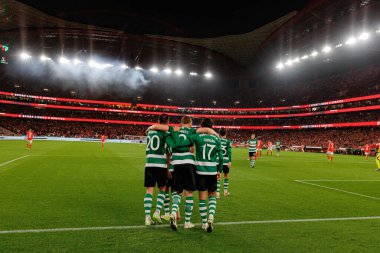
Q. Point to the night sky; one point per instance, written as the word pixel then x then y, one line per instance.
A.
pixel 178 18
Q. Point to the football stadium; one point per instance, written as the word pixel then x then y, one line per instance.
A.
pixel 136 126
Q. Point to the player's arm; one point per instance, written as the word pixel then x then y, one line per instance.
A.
pixel 229 153
pixel 160 127
pixel 206 130
pixel 220 156
pixel 184 142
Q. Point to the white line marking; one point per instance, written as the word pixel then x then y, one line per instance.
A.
pixel 90 156
pixel 335 189
pixel 342 180
pixel 13 160
pixel 48 230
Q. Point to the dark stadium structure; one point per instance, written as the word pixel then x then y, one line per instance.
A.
pixel 243 76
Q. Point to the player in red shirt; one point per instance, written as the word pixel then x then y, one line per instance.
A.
pixel 330 151
pixel 29 139
pixel 259 147
pixel 367 150
pixel 269 147
pixel 302 148
pixel 103 139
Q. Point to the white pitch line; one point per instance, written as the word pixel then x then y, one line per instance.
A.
pixel 339 190
pixel 50 230
pixel 341 180
pixel 13 160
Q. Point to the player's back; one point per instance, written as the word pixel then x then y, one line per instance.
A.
pixel 182 155
pixel 207 148
pixel 226 145
pixel 156 149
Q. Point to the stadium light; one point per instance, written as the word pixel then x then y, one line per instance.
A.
pixel 63 60
pixel 351 41
pixel 314 53
pixel 178 72
pixel 25 56
pixel 208 75
pixel 107 65
pixel 364 36
pixel 154 69
pixel 168 71
pixel 326 49
pixel 304 57
pixel 296 59
pixel 339 45
pixel 193 73
pixel 289 63
pixel 77 62
pixel 124 66
pixel 138 67
pixel 44 58
pixel 280 66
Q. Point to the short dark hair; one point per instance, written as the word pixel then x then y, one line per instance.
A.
pixel 223 131
pixel 163 119
pixel 186 120
pixel 207 122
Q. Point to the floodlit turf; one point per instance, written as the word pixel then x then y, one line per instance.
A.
pixel 76 185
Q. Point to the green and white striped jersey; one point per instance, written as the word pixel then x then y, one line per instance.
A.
pixel 209 153
pixel 252 145
pixel 156 148
pixel 226 147
pixel 182 155
pixel 278 144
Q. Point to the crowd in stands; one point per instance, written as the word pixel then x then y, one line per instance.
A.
pixel 197 111
pixel 309 120
pixel 342 137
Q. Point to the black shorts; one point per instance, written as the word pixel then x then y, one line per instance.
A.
pixel 170 181
pixel 226 170
pixel 252 154
pixel 154 175
pixel 278 149
pixel 206 182
pixel 184 178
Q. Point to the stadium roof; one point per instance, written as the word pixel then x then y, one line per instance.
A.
pixel 241 48
pixel 280 35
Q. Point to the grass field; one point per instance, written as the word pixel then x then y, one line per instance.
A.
pixel 279 206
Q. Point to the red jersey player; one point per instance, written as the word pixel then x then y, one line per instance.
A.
pixel 259 147
pixel 330 151
pixel 302 148
pixel 269 147
pixel 367 150
pixel 29 139
pixel 103 139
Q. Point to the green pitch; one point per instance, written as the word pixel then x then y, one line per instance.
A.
pixel 77 185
